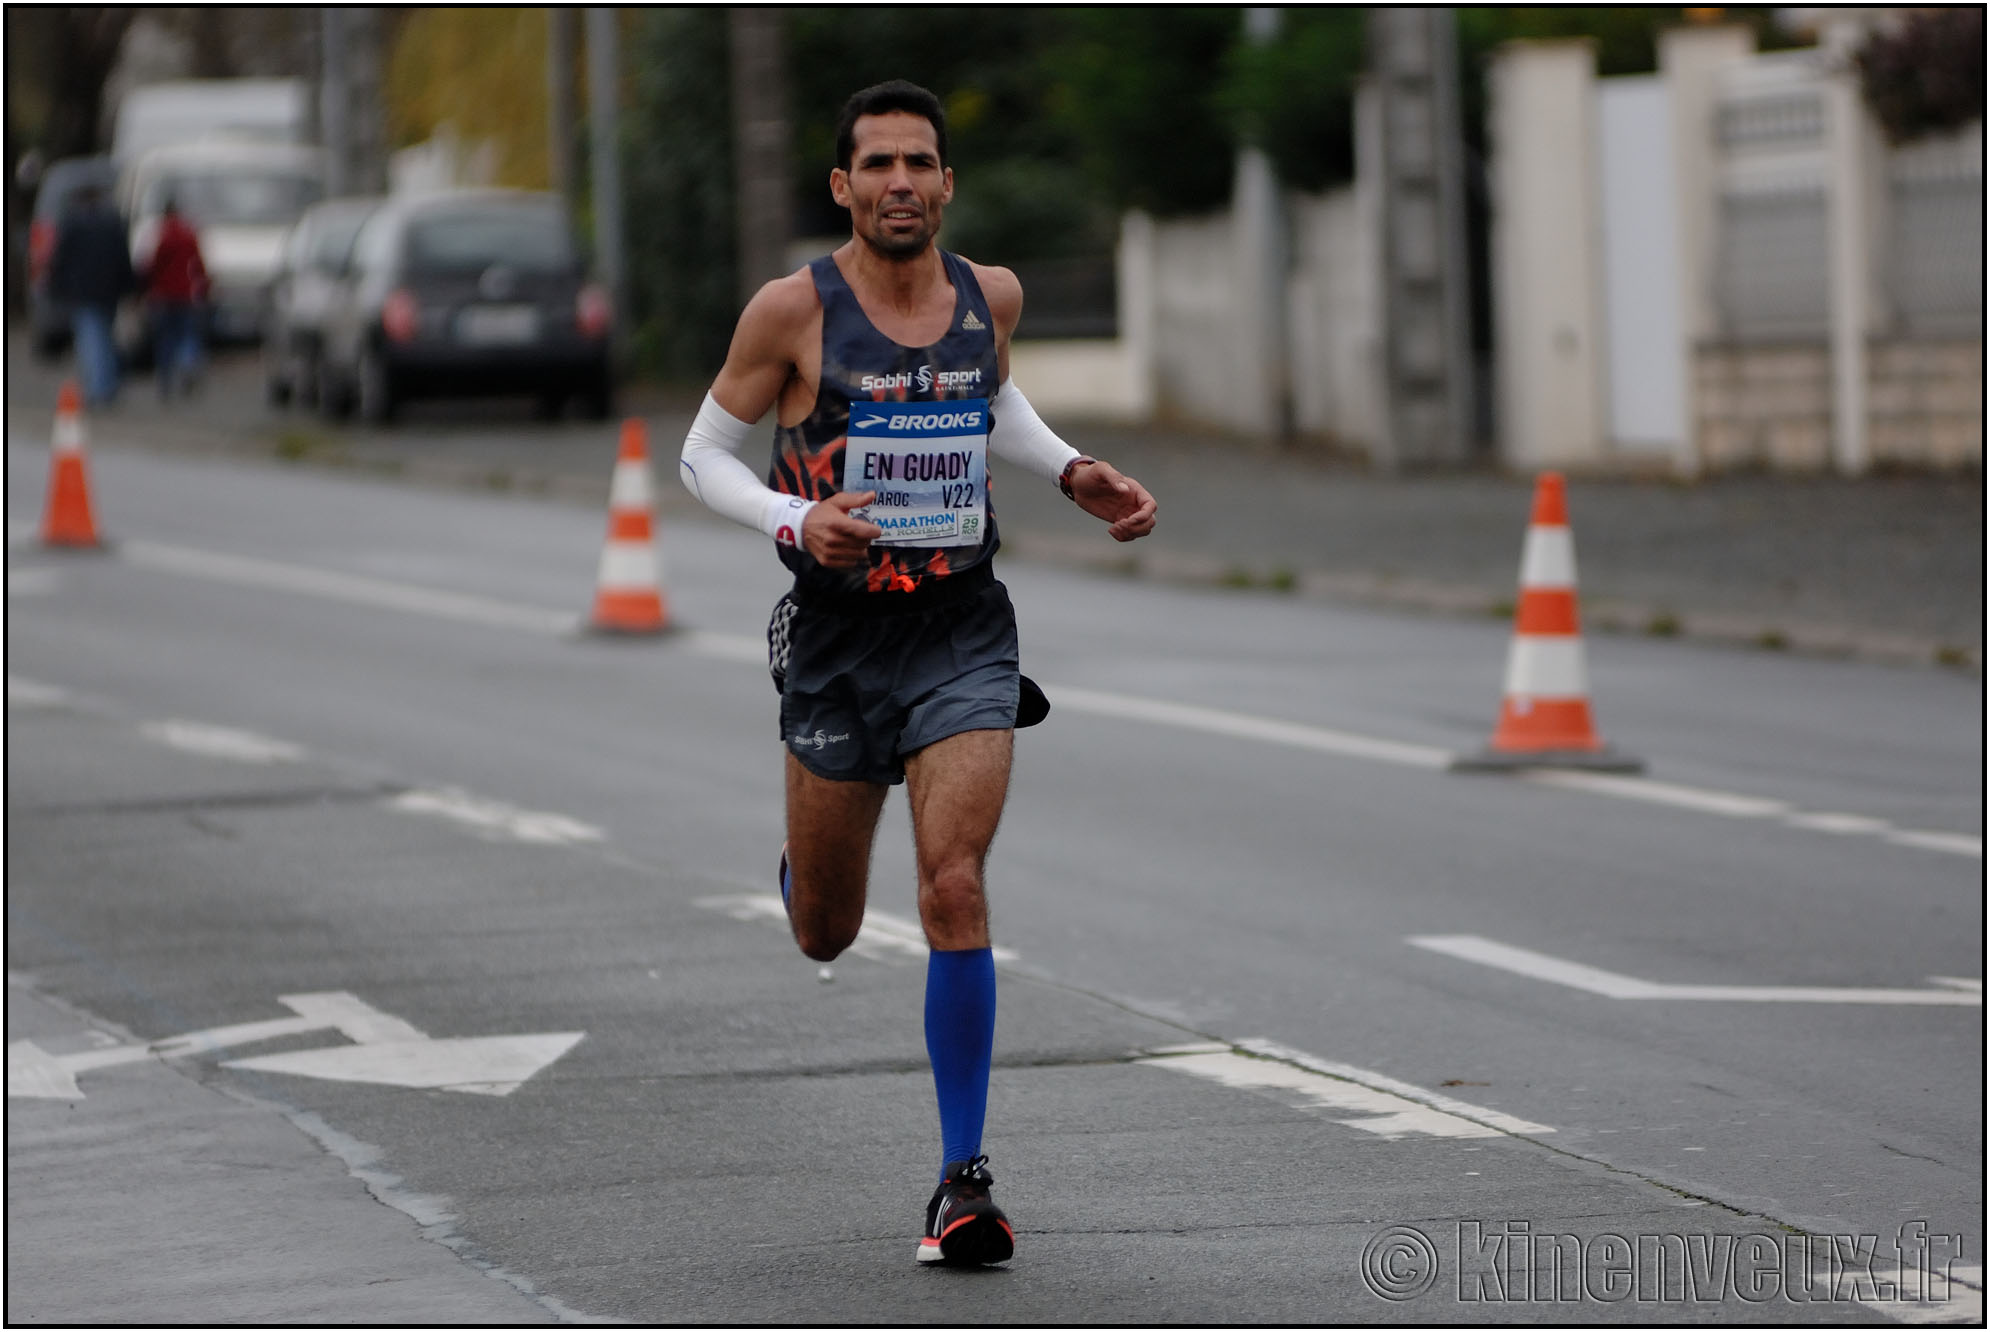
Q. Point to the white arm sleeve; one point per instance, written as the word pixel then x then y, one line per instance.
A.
pixel 710 469
pixel 1021 437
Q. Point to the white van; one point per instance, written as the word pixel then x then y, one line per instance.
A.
pixel 241 197
pixel 159 114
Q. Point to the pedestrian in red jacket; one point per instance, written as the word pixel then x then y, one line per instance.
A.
pixel 175 286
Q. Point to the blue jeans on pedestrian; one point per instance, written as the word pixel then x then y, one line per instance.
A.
pixel 177 344
pixel 96 352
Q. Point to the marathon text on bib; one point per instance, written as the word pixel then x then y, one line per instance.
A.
pixel 928 463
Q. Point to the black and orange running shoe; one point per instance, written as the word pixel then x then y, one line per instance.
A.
pixel 964 1227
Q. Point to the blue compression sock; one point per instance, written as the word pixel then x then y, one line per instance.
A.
pixel 960 1040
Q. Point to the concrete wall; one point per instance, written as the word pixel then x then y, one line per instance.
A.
pixel 1766 304
pixel 1770 405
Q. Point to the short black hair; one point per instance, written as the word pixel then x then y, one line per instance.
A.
pixel 881 99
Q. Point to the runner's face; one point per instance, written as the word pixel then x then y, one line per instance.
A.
pixel 895 187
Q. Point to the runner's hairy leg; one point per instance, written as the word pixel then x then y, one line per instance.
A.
pixel 830 828
pixel 957 787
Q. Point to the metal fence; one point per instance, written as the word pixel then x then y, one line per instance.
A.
pixel 1934 268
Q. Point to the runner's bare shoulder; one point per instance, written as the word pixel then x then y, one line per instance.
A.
pixel 779 316
pixel 1002 290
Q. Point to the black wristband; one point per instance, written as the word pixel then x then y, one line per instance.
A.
pixel 1064 477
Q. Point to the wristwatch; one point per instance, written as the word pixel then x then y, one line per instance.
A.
pixel 1064 477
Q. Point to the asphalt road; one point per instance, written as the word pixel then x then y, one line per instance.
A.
pixel 301 735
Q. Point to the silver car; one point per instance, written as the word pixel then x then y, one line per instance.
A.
pixel 307 278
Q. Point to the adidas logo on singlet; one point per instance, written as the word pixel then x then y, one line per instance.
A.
pixel 971 324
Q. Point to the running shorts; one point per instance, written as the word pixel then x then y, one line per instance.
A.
pixel 864 691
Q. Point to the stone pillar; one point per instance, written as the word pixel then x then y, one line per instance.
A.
pixel 1547 272
pixel 1690 61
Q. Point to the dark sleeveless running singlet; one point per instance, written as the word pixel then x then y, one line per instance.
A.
pixel 859 365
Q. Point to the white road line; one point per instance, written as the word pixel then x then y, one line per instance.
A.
pixel 1212 721
pixel 883 937
pixel 1242 726
pixel 1611 985
pixel 1956 844
pixel 1662 793
pixel 346 587
pixel 25 693
pixel 1957 983
pixel 222 742
pixel 1384 1106
pixel 32 582
pixel 495 820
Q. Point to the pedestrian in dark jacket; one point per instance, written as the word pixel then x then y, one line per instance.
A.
pixel 175 286
pixel 90 272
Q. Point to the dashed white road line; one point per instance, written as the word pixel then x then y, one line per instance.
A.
pixel 380 593
pixel 32 582
pixel 25 693
pixel 1613 985
pixel 495 820
pixel 351 588
pixel 222 742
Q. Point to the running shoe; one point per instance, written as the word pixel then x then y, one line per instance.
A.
pixel 964 1227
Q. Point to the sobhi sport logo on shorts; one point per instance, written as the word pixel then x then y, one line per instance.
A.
pixel 818 741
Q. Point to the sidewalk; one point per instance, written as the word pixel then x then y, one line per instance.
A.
pixel 1884 568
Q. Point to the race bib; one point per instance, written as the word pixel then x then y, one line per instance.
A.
pixel 928 463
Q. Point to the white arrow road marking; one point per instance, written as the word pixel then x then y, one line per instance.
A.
pixel 1384 1106
pixel 495 820
pixel 25 693
pixel 1613 985
pixel 380 593
pixel 882 938
pixel 386 1051
pixel 221 742
pixel 484 1065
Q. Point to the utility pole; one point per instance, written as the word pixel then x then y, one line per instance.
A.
pixel 1262 258
pixel 350 100
pixel 334 101
pixel 604 130
pixel 560 102
pixel 1428 375
pixel 763 189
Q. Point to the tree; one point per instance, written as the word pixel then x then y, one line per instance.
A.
pixel 59 59
pixel 1926 75
pixel 1295 95
pixel 482 71
pixel 1139 92
pixel 678 183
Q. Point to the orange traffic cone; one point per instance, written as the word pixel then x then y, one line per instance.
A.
pixel 1544 720
pixel 67 520
pixel 628 597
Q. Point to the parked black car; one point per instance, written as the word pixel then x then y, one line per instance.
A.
pixel 48 319
pixel 467 293
pixel 302 294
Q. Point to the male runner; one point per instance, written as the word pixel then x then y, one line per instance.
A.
pixel 888 364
